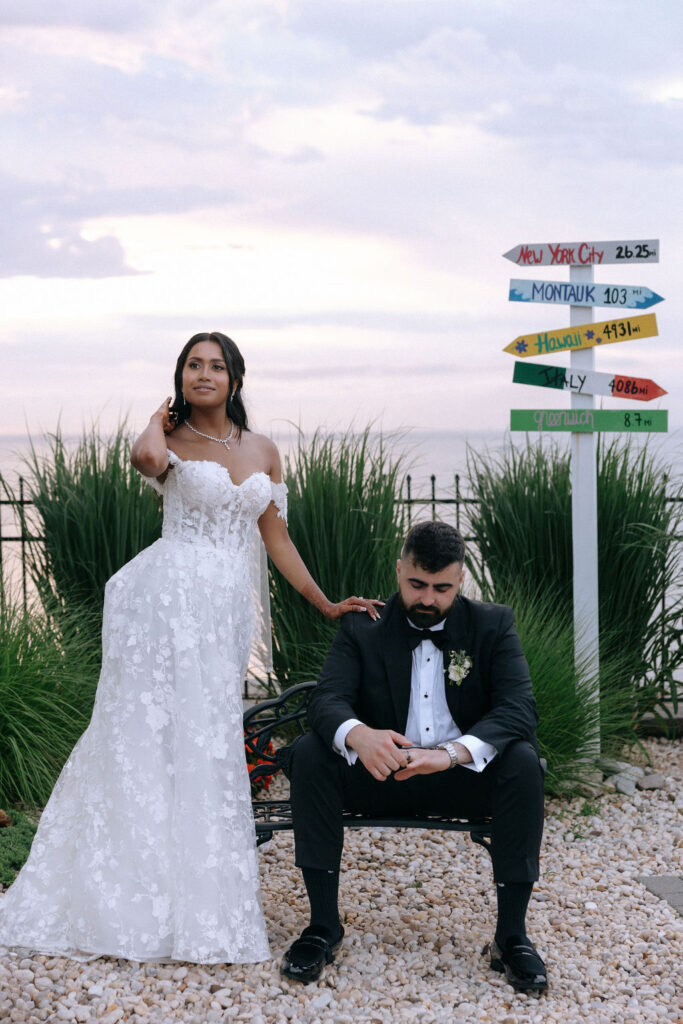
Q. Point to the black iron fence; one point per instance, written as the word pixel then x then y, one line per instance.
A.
pixel 438 506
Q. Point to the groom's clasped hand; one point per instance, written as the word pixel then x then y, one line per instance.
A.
pixel 385 752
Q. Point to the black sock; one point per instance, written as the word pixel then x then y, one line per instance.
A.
pixel 513 899
pixel 323 889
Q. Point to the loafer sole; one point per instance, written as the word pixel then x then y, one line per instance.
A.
pixel 520 982
pixel 315 969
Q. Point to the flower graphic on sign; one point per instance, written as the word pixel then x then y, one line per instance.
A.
pixel 590 335
pixel 521 346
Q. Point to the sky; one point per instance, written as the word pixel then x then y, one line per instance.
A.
pixel 332 183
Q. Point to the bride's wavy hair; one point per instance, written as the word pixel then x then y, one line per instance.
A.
pixel 234 406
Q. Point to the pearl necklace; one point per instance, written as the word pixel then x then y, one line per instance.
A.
pixel 210 437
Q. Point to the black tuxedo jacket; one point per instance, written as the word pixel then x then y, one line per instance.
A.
pixel 366 675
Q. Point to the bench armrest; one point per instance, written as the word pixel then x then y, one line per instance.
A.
pixel 262 723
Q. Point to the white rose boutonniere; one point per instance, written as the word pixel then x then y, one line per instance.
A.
pixel 459 665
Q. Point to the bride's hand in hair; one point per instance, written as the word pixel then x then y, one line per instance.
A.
pixel 166 417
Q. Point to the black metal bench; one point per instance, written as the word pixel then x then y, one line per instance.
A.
pixel 285 716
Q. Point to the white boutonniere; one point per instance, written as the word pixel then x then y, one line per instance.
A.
pixel 459 665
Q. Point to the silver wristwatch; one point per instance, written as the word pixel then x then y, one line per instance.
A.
pixel 452 752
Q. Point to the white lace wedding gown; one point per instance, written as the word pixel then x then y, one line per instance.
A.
pixel 146 849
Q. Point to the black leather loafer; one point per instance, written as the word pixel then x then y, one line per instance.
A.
pixel 305 958
pixel 521 963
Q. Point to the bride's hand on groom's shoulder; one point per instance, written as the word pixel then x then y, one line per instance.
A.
pixel 353 604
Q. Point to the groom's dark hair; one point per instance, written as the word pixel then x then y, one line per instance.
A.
pixel 433 546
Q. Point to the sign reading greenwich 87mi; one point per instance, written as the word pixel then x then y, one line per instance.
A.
pixel 568 339
pixel 583 254
pixel 586 421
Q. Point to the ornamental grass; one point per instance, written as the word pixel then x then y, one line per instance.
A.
pixel 94 511
pixel 523 524
pixel 347 527
pixel 581 717
pixel 48 676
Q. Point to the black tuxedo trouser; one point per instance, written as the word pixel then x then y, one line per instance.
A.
pixel 509 790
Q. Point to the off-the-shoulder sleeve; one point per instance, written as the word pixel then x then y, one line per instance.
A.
pixel 173 460
pixel 278 493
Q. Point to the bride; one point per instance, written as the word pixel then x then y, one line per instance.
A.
pixel 146 847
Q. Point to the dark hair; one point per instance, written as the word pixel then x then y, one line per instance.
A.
pixel 433 546
pixel 234 406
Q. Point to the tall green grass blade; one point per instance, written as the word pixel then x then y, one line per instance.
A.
pixel 523 526
pixel 48 678
pixel 347 527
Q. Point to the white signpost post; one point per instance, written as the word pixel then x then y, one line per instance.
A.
pixel 584 478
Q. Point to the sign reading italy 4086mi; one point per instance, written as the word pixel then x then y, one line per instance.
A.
pixel 578 293
pixel 586 382
pixel 583 254
pixel 567 339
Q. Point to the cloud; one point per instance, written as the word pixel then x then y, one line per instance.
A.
pixel 45 229
pixel 115 16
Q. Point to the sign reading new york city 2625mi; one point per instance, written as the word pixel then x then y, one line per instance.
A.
pixel 569 339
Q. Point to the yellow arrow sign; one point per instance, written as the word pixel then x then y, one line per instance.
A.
pixel 606 332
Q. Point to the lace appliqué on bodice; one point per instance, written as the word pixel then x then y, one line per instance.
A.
pixel 201 503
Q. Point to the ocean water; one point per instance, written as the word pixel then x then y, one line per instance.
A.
pixel 441 453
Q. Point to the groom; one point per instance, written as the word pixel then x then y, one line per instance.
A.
pixel 427 710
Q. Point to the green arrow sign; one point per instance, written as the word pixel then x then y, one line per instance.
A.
pixel 585 421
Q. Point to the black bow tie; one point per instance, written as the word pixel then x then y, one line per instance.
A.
pixel 416 636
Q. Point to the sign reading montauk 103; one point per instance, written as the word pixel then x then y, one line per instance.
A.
pixel 582 294
pixel 583 254
pixel 568 339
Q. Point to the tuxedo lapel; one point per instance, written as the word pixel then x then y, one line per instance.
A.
pixel 398 661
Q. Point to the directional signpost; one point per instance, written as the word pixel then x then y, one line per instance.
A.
pixel 583 254
pixel 583 335
pixel 582 381
pixel 587 382
pixel 620 296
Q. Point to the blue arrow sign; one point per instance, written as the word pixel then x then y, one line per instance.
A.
pixel 583 294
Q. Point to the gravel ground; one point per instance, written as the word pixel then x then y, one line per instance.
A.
pixel 418 908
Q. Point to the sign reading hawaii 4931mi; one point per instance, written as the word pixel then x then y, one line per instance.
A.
pixel 567 339
pixel 583 254
pixel 579 293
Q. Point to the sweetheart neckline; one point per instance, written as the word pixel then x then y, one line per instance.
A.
pixel 212 462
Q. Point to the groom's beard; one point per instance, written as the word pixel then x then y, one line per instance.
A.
pixel 424 616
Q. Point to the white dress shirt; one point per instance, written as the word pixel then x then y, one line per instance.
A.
pixel 429 718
